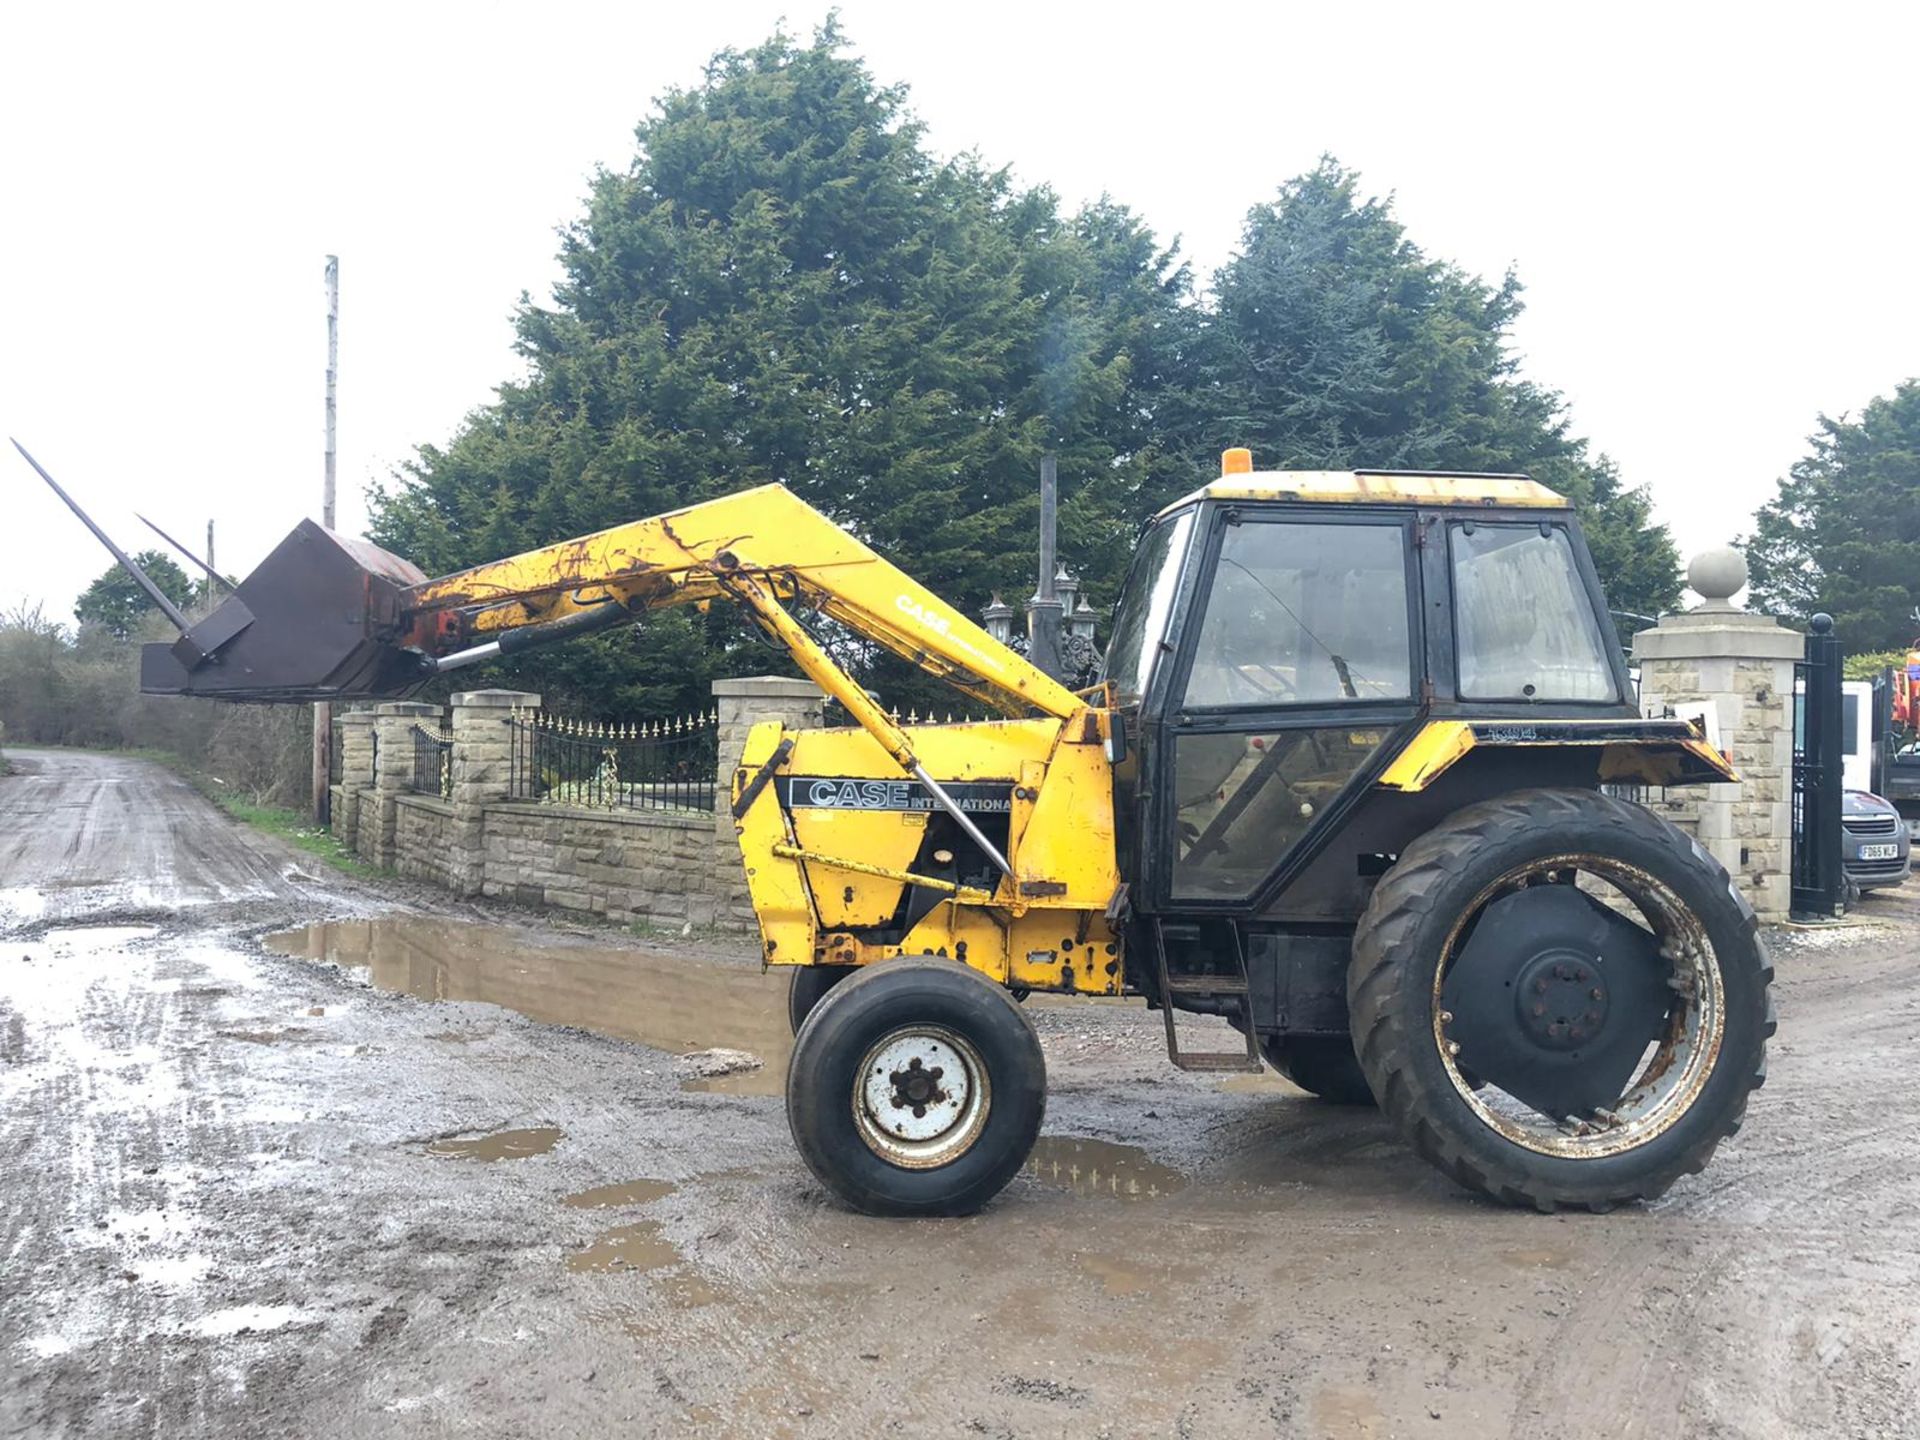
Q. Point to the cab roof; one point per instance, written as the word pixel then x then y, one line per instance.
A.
pixel 1379 487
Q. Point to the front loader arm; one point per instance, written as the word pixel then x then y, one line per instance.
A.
pixel 763 548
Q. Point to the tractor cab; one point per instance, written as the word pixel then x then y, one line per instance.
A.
pixel 1283 638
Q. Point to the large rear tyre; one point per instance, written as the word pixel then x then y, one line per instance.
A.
pixel 1322 1065
pixel 1560 1000
pixel 916 1087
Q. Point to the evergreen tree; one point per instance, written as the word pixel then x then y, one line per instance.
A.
pixel 1843 533
pixel 784 286
pixel 1336 343
pixel 116 603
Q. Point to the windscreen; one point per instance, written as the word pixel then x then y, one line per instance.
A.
pixel 1525 628
pixel 1305 613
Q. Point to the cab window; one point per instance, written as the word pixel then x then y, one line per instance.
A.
pixel 1524 625
pixel 1305 613
pixel 1140 621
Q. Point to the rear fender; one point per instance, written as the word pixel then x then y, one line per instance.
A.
pixel 1646 752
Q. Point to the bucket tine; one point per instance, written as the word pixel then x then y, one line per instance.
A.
pixel 212 574
pixel 154 592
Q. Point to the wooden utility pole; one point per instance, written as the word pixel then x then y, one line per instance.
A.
pixel 323 711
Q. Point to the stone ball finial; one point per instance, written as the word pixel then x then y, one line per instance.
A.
pixel 1717 575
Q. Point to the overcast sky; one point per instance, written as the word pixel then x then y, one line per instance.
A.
pixel 1713 208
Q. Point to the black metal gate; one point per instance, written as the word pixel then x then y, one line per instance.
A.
pixel 1819 884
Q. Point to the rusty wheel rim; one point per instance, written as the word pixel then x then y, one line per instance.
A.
pixel 1678 1064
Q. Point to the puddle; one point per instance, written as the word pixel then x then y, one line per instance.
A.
pixel 22 902
pixel 169 1271
pixel 1537 1259
pixel 631 1192
pixel 667 1002
pixel 1343 1414
pixel 1120 1278
pixel 80 940
pixel 640 1249
pixel 247 1320
pixel 500 1145
pixel 638 1246
pixel 1100 1167
pixel 291 1035
pixel 1265 1083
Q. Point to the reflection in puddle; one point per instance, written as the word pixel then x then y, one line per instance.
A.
pixel 500 1145
pixel 632 1192
pixel 1099 1167
pixel 668 1002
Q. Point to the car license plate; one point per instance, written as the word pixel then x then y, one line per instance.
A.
pixel 1879 852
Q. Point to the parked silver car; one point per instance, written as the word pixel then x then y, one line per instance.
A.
pixel 1874 846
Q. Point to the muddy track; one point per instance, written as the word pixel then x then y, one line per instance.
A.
pixel 231 1208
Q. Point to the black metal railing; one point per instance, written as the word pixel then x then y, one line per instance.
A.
pixel 648 765
pixel 432 771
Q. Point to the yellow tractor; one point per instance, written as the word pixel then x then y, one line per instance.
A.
pixel 1343 785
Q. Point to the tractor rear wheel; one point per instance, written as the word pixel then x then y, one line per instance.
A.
pixel 1560 1000
pixel 1322 1065
pixel 916 1087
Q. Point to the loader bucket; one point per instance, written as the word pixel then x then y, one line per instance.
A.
pixel 319 619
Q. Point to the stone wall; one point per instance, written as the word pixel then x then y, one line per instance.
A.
pixel 654 867
pixel 422 832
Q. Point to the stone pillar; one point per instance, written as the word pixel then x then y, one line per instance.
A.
pixel 393 768
pixel 742 704
pixel 356 775
pixel 482 775
pixel 1737 667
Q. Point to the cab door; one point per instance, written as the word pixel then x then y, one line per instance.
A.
pixel 1296 664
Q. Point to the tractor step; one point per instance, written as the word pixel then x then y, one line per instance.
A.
pixel 1235 985
pixel 1206 985
pixel 1227 1061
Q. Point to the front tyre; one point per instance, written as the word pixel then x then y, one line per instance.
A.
pixel 1560 1000
pixel 916 1087
pixel 808 986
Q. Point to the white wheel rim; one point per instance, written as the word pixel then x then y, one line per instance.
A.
pixel 920 1097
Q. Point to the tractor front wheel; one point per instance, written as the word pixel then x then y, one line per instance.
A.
pixel 916 1087
pixel 808 987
